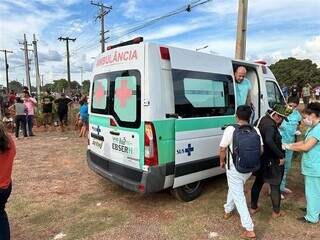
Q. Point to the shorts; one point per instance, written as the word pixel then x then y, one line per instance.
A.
pixel 62 116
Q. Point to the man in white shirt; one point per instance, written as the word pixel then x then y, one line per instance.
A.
pixel 236 180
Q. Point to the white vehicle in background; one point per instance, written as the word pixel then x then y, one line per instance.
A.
pixel 157 114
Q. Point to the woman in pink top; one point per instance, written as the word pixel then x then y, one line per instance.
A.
pixel 30 103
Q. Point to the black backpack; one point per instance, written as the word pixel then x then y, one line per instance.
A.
pixel 246 149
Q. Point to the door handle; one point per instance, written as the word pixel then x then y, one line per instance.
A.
pixel 172 115
pixel 114 133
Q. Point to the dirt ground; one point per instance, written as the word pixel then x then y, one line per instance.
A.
pixel 56 196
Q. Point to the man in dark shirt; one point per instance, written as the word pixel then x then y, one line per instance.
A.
pixel 63 103
pixel 47 101
pixel 272 160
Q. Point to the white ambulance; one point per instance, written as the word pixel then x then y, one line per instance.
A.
pixel 157 114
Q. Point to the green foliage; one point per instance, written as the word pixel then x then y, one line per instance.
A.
pixel 15 86
pixel 292 70
pixel 86 87
pixel 60 85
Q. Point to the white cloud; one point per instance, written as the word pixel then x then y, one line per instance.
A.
pixel 310 49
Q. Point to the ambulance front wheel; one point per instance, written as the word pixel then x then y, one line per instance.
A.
pixel 188 192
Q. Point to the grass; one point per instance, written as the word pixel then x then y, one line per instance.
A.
pixel 55 194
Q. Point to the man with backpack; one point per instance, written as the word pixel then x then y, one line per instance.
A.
pixel 272 160
pixel 240 150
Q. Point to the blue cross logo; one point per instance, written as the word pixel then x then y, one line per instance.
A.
pixel 97 129
pixel 189 149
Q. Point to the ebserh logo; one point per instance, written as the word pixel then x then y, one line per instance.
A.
pixel 189 149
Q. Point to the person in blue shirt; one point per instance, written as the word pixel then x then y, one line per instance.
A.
pixel 84 117
pixel 288 130
pixel 310 164
pixel 243 86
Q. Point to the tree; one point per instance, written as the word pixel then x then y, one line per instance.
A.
pixel 60 85
pixel 292 70
pixel 15 86
pixel 48 86
pixel 75 85
pixel 86 87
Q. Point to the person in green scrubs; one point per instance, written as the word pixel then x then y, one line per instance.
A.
pixel 289 130
pixel 310 164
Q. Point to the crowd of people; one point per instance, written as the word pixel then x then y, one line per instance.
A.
pixel 307 93
pixel 20 109
pixel 265 150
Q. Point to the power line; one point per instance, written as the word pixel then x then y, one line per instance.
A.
pixel 104 10
pixel 187 7
pixel 7 66
pixel 67 39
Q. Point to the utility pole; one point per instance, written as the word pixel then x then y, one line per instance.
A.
pixel 26 60
pixel 67 39
pixel 242 30
pixel 42 80
pixel 36 63
pixel 7 66
pixel 81 72
pixel 104 10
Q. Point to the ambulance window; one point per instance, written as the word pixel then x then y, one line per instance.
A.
pixel 274 95
pixel 204 93
pixel 201 94
pixel 125 98
pixel 99 95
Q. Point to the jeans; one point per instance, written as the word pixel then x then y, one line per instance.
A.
pixel 4 223
pixel 21 120
pixel 30 124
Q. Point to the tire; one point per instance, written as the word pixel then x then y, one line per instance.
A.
pixel 188 192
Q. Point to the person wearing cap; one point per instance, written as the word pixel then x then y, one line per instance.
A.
pixel 289 131
pixel 272 160
pixel 310 164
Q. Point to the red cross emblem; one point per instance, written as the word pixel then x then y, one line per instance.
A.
pixel 99 92
pixel 123 93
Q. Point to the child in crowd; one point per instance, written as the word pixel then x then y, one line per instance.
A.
pixel 84 117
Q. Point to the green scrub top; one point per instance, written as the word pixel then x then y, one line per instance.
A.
pixel 288 129
pixel 310 163
pixel 242 90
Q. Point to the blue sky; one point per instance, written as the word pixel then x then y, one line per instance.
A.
pixel 276 29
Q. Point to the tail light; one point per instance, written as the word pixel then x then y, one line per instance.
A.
pixel 165 54
pixel 150 145
pixel 113 122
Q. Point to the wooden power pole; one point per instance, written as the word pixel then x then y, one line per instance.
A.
pixel 241 30
pixel 67 39
pixel 36 62
pixel 104 10
pixel 26 61
pixel 7 66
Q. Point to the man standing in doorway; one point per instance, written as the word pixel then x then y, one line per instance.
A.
pixel 243 86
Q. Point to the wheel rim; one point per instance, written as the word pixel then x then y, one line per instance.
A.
pixel 191 187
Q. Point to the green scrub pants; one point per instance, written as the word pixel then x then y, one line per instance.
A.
pixel 312 191
pixel 287 166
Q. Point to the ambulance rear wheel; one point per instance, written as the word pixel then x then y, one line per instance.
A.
pixel 188 192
